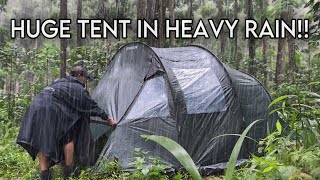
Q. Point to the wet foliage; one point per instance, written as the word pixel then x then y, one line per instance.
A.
pixel 292 151
pixel 29 65
pixel 15 162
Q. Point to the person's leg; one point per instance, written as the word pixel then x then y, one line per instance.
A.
pixel 44 166
pixel 43 160
pixel 68 155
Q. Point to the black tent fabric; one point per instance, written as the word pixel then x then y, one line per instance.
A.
pixel 185 94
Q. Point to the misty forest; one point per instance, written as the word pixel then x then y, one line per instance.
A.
pixel 288 68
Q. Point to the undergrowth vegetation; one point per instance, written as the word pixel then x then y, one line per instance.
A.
pixel 295 152
pixel 15 162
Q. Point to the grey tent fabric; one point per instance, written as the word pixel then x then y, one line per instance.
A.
pixel 185 94
pixel 254 100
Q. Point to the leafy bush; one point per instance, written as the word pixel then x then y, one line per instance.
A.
pixel 300 110
pixel 148 167
pixel 294 155
pixel 15 162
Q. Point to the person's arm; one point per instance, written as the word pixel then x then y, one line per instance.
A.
pixel 90 107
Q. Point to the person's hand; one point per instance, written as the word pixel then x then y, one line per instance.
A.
pixel 112 122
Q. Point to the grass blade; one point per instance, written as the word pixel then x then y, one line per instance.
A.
pixel 311 93
pixel 224 135
pixel 235 152
pixel 313 83
pixel 178 152
pixel 279 99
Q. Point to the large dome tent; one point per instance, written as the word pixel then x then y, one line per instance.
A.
pixel 184 93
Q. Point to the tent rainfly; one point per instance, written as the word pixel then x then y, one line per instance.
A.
pixel 185 94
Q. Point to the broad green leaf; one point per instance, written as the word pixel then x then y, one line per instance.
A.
pixel 145 171
pixel 279 127
pixel 275 110
pixel 268 169
pixel 271 163
pixel 279 99
pixel 235 152
pixel 178 152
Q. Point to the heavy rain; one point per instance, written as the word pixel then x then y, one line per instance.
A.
pixel 147 89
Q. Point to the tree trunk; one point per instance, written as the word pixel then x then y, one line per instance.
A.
pixel 5 85
pixel 150 17
pixel 263 7
pixel 79 15
pixel 252 69
pixel 117 9
pixel 236 59
pixel 156 16
pixel 281 54
pixel 107 45
pixel 63 42
pixel 106 40
pixel 223 38
pixel 280 62
pixel 17 87
pixel 190 16
pixel 190 11
pixel 292 69
pixel 10 95
pixel 280 58
pixel 141 9
pixel 159 16
pixel 171 17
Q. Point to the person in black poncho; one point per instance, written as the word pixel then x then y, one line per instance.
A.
pixel 52 122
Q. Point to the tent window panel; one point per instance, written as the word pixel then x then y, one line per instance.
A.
pixel 152 100
pixel 202 90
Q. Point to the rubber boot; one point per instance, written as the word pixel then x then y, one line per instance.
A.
pixel 45 175
pixel 68 171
